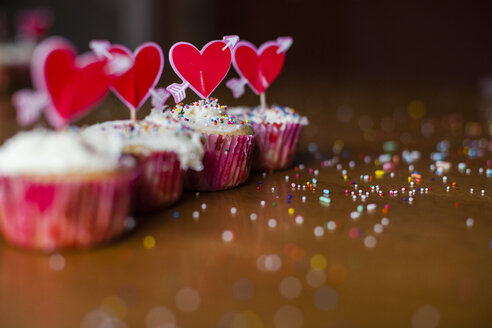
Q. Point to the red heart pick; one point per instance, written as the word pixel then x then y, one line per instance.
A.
pixel 133 87
pixel 203 70
pixel 74 84
pixel 259 67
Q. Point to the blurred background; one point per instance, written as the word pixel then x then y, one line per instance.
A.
pixel 404 42
pixel 344 49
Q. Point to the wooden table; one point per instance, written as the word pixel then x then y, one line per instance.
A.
pixel 428 267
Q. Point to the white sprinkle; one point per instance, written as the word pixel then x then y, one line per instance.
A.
pixel 344 172
pixel 316 172
pixel 331 225
pixel 272 223
pixel 272 262
pixel 273 189
pixel 471 190
pixel 299 220
pixel 392 175
pixel 196 214
pixel 227 236
pixel 378 228
pixel 233 210
pixel 204 207
pixel 371 207
pixel 482 192
pixel 253 216
pixel 303 198
pixel 469 222
pixel 287 178
pixel 354 215
pixel 57 262
pixel 319 231
pixel 385 221
pixel 262 203
pixel 370 241
pixel 130 223
pixel 410 200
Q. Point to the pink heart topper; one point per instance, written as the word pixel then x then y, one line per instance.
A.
pixel 258 67
pixel 201 70
pixel 134 87
pixel 67 86
pixel 134 75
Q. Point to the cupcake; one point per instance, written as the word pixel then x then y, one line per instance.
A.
pixel 228 144
pixel 277 132
pixel 163 151
pixel 63 190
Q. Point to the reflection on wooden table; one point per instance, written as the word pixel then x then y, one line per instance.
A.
pixel 270 254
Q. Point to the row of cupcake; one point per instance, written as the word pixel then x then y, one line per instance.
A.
pixel 75 187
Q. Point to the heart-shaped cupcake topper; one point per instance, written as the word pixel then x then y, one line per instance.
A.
pixel 66 86
pixel 258 67
pixel 135 82
pixel 200 70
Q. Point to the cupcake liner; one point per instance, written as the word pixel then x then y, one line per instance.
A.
pixel 276 145
pixel 160 183
pixel 49 213
pixel 226 163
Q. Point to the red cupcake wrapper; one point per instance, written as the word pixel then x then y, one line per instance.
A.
pixel 276 145
pixel 52 213
pixel 160 183
pixel 226 162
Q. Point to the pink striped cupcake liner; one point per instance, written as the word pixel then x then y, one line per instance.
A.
pixel 276 145
pixel 49 213
pixel 160 183
pixel 226 163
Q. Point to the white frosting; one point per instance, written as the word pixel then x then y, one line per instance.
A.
pixel 276 114
pixel 203 115
pixel 45 152
pixel 169 135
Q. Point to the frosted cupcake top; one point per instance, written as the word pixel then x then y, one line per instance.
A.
pixel 276 114
pixel 168 135
pixel 204 116
pixel 46 152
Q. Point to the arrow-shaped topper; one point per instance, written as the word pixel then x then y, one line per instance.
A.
pixel 237 86
pixel 231 41
pixel 213 60
pixel 29 104
pixel 117 64
pixel 120 64
pixel 284 43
